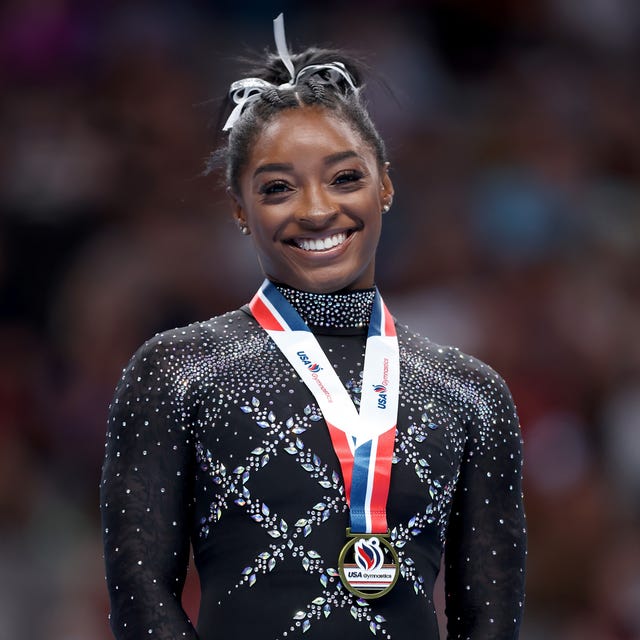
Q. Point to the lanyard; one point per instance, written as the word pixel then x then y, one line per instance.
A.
pixel 362 441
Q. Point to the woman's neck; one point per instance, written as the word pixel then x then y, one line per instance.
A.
pixel 341 310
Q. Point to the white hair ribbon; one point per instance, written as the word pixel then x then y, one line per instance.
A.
pixel 281 46
pixel 246 91
pixel 328 74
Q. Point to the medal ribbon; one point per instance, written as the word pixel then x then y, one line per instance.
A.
pixel 362 441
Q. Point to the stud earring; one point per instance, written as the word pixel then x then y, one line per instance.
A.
pixel 387 206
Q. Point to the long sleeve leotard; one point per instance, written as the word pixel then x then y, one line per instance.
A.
pixel 213 440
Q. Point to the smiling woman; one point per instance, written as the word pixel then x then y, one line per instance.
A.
pixel 319 457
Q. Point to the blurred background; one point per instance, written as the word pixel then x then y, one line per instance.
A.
pixel 514 136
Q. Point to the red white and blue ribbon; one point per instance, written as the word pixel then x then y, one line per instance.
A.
pixel 362 441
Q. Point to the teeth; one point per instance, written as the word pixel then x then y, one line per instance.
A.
pixel 321 244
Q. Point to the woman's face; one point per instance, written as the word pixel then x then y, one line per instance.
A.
pixel 311 195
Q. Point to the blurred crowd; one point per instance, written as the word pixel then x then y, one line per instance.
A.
pixel 515 234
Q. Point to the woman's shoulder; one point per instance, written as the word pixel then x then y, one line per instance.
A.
pixel 194 340
pixel 470 384
pixel 449 362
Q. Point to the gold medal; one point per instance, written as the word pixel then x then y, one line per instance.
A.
pixel 368 564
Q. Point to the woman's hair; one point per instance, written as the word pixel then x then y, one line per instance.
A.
pixel 309 90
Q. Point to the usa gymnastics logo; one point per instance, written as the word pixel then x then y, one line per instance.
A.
pixel 368 554
pixel 381 390
pixel 314 367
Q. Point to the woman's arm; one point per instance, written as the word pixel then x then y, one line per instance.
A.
pixel 146 501
pixel 486 537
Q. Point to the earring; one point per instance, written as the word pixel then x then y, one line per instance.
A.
pixel 244 229
pixel 387 206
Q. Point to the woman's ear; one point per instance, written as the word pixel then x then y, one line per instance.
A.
pixel 386 187
pixel 238 211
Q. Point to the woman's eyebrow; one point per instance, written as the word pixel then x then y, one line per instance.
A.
pixel 273 166
pixel 338 157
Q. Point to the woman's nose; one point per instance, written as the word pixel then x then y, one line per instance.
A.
pixel 317 207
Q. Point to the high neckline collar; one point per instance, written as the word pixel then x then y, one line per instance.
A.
pixel 340 310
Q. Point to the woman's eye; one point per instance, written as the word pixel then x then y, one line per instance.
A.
pixel 347 177
pixel 277 186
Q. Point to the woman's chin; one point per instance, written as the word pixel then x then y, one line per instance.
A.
pixel 324 283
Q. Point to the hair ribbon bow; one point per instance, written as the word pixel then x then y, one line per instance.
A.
pixel 247 90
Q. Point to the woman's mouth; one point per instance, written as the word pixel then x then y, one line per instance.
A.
pixel 321 244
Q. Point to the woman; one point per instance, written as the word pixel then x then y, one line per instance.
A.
pixel 319 457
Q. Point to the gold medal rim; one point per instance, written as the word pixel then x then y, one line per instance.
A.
pixel 354 537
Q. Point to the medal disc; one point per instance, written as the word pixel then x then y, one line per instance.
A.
pixel 368 565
